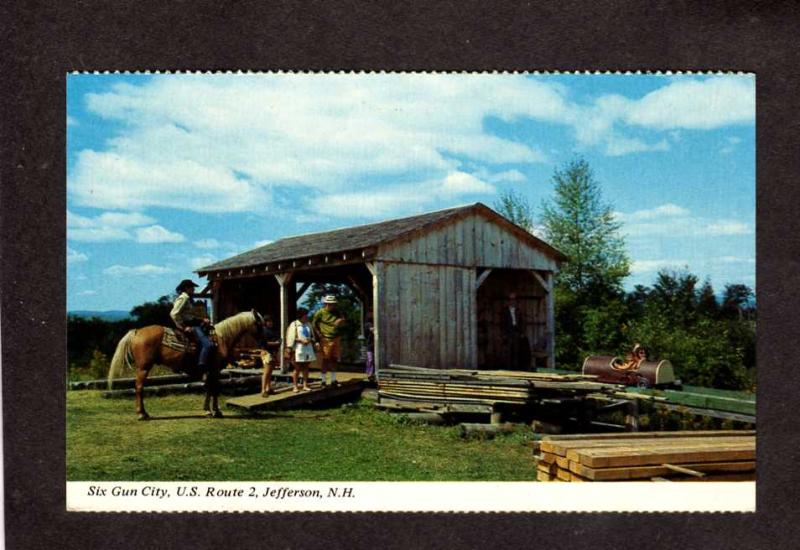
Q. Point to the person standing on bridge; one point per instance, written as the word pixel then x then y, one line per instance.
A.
pixel 326 324
pixel 300 343
pixel 187 320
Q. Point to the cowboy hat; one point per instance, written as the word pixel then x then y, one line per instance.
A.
pixel 184 283
pixel 329 299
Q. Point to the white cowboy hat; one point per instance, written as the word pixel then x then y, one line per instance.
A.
pixel 329 299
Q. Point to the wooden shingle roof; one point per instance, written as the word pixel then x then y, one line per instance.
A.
pixel 364 236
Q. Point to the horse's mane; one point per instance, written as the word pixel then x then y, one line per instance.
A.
pixel 231 328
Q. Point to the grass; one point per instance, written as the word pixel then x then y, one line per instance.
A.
pixel 353 442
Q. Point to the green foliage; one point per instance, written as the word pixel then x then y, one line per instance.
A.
pixel 516 208
pixel 582 226
pixel 681 323
pixel 153 313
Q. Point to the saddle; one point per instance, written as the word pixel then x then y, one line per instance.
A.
pixel 177 340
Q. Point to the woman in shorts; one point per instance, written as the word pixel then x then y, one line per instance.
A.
pixel 300 343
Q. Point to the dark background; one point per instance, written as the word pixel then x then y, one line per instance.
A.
pixel 42 41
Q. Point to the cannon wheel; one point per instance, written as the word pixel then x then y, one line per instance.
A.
pixel 642 383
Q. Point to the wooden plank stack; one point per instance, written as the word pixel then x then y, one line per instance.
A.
pixel 474 387
pixel 659 456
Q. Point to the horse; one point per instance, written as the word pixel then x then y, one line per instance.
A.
pixel 142 348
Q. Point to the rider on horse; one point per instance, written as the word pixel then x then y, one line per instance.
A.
pixel 187 321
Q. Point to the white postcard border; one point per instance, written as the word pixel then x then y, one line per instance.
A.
pixel 111 496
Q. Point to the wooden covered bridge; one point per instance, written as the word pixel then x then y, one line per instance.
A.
pixel 436 284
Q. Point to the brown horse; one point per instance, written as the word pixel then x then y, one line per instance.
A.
pixel 142 348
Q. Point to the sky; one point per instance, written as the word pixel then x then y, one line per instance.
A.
pixel 168 173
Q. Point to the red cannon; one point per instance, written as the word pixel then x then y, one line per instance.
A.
pixel 644 374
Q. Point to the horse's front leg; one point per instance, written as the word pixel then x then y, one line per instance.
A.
pixel 141 376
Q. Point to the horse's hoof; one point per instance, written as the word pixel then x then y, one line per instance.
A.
pixel 209 414
pixel 218 414
pixel 144 416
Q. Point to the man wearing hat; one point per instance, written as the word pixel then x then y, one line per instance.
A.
pixel 326 323
pixel 186 320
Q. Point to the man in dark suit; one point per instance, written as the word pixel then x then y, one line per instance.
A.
pixel 519 348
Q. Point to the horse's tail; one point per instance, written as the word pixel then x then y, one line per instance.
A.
pixel 122 358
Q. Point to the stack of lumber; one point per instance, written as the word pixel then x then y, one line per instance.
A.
pixel 481 387
pixel 722 455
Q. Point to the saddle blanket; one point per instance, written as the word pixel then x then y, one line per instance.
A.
pixel 174 340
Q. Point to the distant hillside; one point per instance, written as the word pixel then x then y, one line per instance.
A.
pixel 113 315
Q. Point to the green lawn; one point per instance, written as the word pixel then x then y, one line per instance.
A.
pixel 355 442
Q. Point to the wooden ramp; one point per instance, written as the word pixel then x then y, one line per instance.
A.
pixel 285 398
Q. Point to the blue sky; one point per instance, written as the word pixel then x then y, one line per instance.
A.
pixel 166 173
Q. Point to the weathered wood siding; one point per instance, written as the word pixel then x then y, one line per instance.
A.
pixel 427 315
pixel 471 241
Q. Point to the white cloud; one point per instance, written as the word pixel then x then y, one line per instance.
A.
pixel 124 219
pixel 207 243
pixel 728 227
pixel 74 257
pixel 617 146
pixel 157 234
pixel 264 242
pixel 736 260
pixel 514 176
pixel 108 226
pixel 664 210
pixel 696 104
pixel 72 121
pixel 730 146
pixel 222 143
pixel 457 183
pixel 671 220
pixel 145 269
pixel 398 200
pixel 650 266
pixel 202 261
pixel 87 293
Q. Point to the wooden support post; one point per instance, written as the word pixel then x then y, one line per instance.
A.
pixel 376 314
pixel 551 321
pixel 632 416
pixel 215 305
pixel 283 280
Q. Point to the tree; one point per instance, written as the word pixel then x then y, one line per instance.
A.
pixel 737 300
pixel 589 307
pixel 707 304
pixel 516 208
pixel 153 313
pixel 579 224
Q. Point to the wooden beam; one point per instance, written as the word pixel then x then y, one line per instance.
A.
pixel 303 288
pixel 540 280
pixel 482 277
